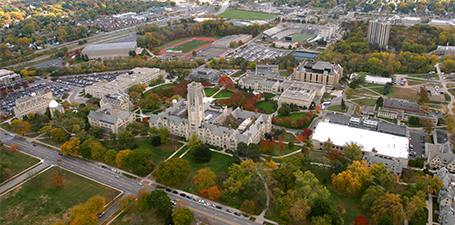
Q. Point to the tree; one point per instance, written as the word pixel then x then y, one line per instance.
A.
pixel 193 142
pixel 353 151
pixel 281 144
pixel 307 146
pixel 321 220
pixel 160 202
pixel 345 181
pixel 427 126
pixel 349 92
pixel 156 140
pixel 204 178
pixel 58 135
pixel 173 172
pixel 20 127
pixel 300 210
pixel 71 147
pixel 126 201
pixel 183 216
pixel 321 207
pixel 98 150
pixel 202 154
pixel 214 192
pixel 13 148
pixel 125 137
pixel 267 145
pixel 120 156
pixel 380 102
pixel 361 220
pixel 86 213
pixel 271 164
pixel 164 133
pixel 343 104
pixel 248 206
pixel 335 155
pixel 327 146
pixel 435 185
pixel 57 180
pixel 142 201
pixel 111 154
pixel 388 205
pixel 338 168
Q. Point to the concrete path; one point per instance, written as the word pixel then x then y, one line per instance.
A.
pixel 24 177
pixel 429 203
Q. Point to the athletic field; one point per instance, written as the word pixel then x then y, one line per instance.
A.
pixel 302 37
pixel 188 46
pixel 247 15
pixel 191 45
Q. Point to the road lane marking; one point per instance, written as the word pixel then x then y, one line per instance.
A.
pixel 31 148
pixel 99 174
pixel 216 217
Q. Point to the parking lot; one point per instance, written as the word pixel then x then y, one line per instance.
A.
pixel 417 144
pixel 89 79
pixel 7 103
pixel 255 52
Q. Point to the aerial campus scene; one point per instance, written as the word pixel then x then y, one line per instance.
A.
pixel 227 112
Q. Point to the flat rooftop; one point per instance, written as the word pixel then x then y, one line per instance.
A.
pixel 108 46
pixel 385 144
pixel 301 91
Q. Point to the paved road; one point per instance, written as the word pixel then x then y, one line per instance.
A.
pixel 223 8
pixel 123 183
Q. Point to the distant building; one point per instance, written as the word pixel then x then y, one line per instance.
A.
pixel 410 21
pixel 441 155
pixel 285 44
pixel 441 23
pixel 435 94
pixel 226 41
pixel 112 117
pixel 320 72
pixel 205 74
pixel 401 104
pixel 445 50
pixel 123 82
pixel 8 77
pixel 397 114
pixel 378 32
pixel 377 80
pixel 267 70
pixel 35 103
pixel 109 50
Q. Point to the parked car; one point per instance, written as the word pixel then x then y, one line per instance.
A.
pixel 236 213
pixel 175 192
pixel 59 160
pixel 183 194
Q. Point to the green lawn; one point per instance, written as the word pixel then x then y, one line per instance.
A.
pixel 160 153
pixel 277 152
pixel 164 87
pixel 183 39
pixel 366 101
pixel 249 15
pixel 302 37
pixel 190 46
pixel 284 73
pixel 224 94
pixel 209 91
pixel 147 216
pixel 266 106
pixel 293 116
pixel 337 108
pixel 269 95
pixel 36 202
pixel 17 160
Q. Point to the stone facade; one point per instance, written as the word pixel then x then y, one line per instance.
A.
pixel 36 103
pixel 112 115
pixel 319 72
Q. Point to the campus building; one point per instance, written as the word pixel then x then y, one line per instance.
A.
pixel 378 32
pixel 445 198
pixel 8 77
pixel 214 124
pixel 402 115
pixel 124 81
pixel 113 115
pixel 109 50
pixel 401 104
pixel 35 103
pixel 320 72
pixel 205 74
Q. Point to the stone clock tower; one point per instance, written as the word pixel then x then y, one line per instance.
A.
pixel 195 106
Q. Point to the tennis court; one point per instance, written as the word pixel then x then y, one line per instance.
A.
pixel 212 51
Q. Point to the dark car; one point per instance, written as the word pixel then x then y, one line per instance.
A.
pixel 219 207
pixel 60 154
pixel 189 197
pixel 175 192
pixel 183 194
pixel 168 190
pixel 236 213
pixel 34 144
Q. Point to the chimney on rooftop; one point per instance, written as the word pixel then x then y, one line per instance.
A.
pixel 230 126
pixel 169 113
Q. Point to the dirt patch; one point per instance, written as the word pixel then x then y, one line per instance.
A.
pixel 415 82
pixel 409 94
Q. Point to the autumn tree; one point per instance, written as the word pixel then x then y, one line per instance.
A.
pixel 173 171
pixel 57 180
pixel 427 126
pixel 267 145
pixel 120 156
pixel 271 164
pixel 14 148
pixel 111 154
pixel 214 192
pixel 361 220
pixel 142 202
pixel 20 127
pixel 353 151
pixel 248 206
pixel 371 194
pixel 125 137
pixel 182 216
pixel 281 144
pixel 86 213
pixel 204 178
pixel 98 150
pixel 335 155
pixel 193 142
pixel 349 92
pixel 327 146
pixel 126 201
pixel 391 205
pixel 161 202
pixel 346 182
pixel 71 147
pixel 307 146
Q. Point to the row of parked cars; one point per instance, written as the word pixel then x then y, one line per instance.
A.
pixel 87 80
pixel 199 200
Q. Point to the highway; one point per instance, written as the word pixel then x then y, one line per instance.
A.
pixel 106 176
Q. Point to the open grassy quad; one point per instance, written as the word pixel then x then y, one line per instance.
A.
pixel 209 91
pixel 277 152
pixel 190 45
pixel 293 116
pixel 266 106
pixel 164 87
pixel 365 101
pixel 132 215
pixel 18 161
pixel 36 202
pixel 159 153
pixel 224 94
pixel 337 108
pixel 248 15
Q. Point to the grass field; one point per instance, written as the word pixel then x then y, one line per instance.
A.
pixel 366 101
pixel 159 153
pixel 337 108
pixel 248 15
pixel 224 94
pixel 183 39
pixel 266 106
pixel 293 116
pixel 190 46
pixel 36 202
pixel 17 160
pixel 209 92
pixel 277 152
pixel 302 37
pixel 284 73
pixel 130 215
pixel 164 87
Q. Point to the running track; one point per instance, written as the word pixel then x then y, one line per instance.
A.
pixel 163 51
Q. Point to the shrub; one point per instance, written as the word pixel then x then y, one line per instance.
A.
pixel 202 154
pixel 156 140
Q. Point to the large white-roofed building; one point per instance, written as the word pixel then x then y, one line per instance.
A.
pixel 385 145
pixel 107 50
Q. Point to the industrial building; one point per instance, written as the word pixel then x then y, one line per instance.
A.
pixel 109 50
pixel 226 41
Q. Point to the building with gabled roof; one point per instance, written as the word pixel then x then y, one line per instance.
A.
pixel 393 166
pixel 114 114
